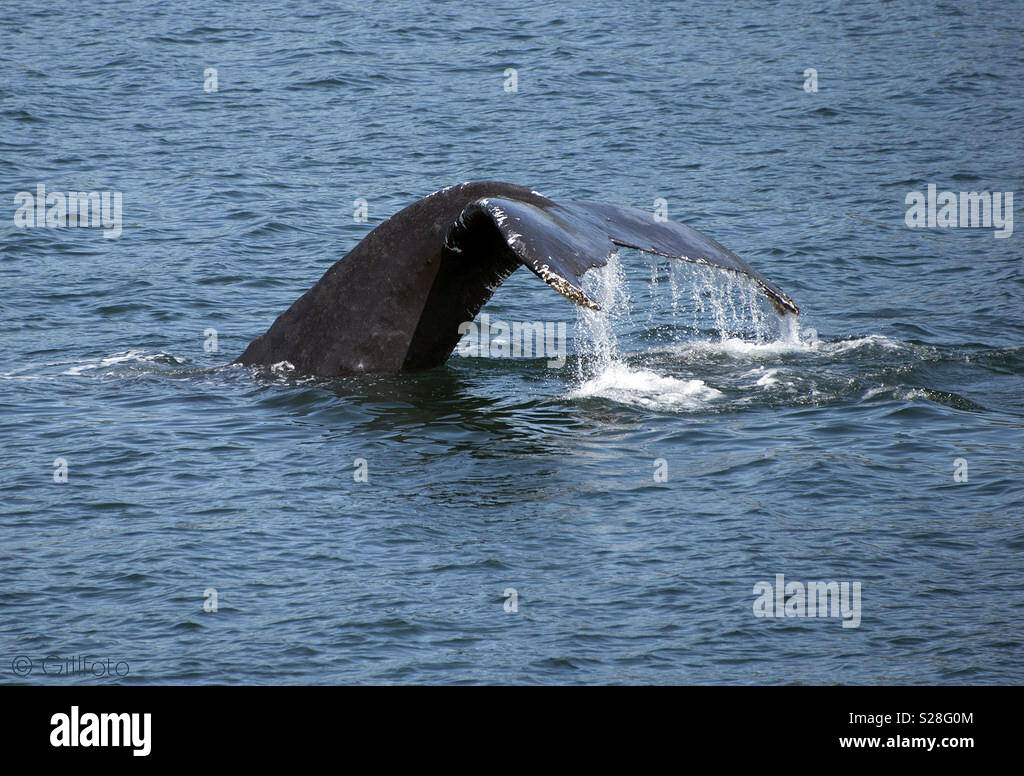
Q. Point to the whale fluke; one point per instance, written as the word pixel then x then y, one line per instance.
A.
pixel 395 302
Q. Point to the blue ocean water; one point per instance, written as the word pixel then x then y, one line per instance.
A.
pixel 605 522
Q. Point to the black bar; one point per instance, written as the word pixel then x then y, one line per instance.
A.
pixel 250 723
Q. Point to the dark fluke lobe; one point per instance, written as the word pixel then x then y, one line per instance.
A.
pixel 396 300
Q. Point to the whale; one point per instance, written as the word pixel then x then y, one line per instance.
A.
pixel 395 302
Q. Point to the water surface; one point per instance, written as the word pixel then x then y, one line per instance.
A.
pixel 823 450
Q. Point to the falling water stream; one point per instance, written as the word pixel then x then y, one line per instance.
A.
pixel 683 305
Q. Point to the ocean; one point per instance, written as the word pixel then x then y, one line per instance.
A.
pixel 610 511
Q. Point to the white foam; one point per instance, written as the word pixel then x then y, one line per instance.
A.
pixel 282 368
pixel 860 342
pixel 911 394
pixel 603 374
pixel 804 342
pixel 741 348
pixel 640 387
pixel 49 370
pixel 15 375
pixel 743 326
pixel 101 363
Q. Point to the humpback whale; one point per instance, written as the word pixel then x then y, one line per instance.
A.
pixel 394 303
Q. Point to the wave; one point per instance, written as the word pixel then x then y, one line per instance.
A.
pixel 644 388
pixel 697 368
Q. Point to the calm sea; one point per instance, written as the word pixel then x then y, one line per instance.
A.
pixel 502 520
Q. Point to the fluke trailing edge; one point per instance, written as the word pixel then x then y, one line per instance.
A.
pixel 395 302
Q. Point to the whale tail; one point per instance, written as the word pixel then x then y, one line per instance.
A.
pixel 396 301
pixel 560 242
